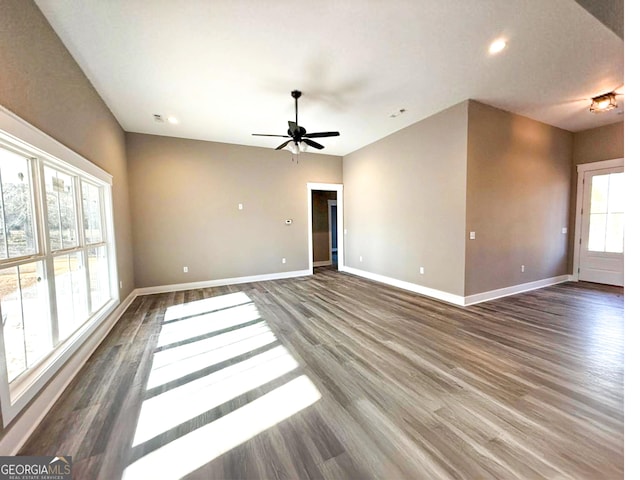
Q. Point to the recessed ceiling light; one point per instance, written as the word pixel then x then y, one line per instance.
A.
pixel 497 46
pixel 173 120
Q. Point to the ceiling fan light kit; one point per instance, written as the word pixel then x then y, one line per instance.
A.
pixel 603 103
pixel 298 138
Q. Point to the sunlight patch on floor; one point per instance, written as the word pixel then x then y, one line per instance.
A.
pixel 175 363
pixel 176 406
pixel 205 323
pixel 198 307
pixel 195 449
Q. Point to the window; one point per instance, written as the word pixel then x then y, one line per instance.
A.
pixel 57 268
pixel 61 209
pixel 606 218
pixel 17 235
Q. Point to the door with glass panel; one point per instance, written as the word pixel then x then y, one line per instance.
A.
pixel 602 234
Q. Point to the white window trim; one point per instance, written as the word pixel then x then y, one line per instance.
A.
pixel 19 134
pixel 22 134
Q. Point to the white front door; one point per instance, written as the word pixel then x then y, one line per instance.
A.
pixel 601 252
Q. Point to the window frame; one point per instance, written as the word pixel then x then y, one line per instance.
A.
pixel 22 138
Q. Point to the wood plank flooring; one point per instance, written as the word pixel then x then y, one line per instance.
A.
pixel 337 377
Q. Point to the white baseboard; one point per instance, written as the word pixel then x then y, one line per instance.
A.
pixel 523 287
pixel 322 263
pixel 412 287
pixel 457 299
pixel 221 282
pixel 28 420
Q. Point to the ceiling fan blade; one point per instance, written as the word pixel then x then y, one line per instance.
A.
pixel 322 134
pixel 280 147
pixel 313 144
pixel 268 135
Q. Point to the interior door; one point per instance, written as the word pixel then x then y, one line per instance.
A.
pixel 602 229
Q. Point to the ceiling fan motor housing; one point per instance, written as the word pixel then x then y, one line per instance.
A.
pixel 298 133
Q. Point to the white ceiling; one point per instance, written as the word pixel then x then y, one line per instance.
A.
pixel 225 68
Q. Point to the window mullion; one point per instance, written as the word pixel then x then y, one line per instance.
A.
pixel 4 219
pixel 39 207
pixel 53 301
pixel 42 216
pixel 24 331
pixel 60 235
pixel 103 215
pixel 79 212
pixel 83 242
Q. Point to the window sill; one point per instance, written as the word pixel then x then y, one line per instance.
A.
pixel 26 387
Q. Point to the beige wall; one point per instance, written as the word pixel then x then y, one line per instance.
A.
pixel 404 203
pixel 518 199
pixel 184 204
pixel 320 224
pixel 41 83
pixel 596 144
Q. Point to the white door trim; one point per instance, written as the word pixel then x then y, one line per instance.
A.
pixel 331 203
pixel 582 169
pixel 329 187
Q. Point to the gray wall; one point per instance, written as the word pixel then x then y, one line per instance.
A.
pixel 518 199
pixel 404 203
pixel 184 207
pixel 41 83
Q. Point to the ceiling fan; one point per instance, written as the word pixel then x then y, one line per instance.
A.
pixel 298 138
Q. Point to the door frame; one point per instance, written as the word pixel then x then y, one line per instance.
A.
pixel 332 203
pixel 328 187
pixel 582 169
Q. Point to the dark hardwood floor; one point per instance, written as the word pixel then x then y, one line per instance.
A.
pixel 333 376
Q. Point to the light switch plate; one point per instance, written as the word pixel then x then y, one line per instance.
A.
pixel 472 235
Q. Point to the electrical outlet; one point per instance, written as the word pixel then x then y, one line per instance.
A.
pixel 564 230
pixel 472 235
pixel 421 270
pixel 240 206
pixel 185 269
pixel 284 260
pixel 360 257
pixel 522 268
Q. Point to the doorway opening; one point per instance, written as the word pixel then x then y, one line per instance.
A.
pixel 325 226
